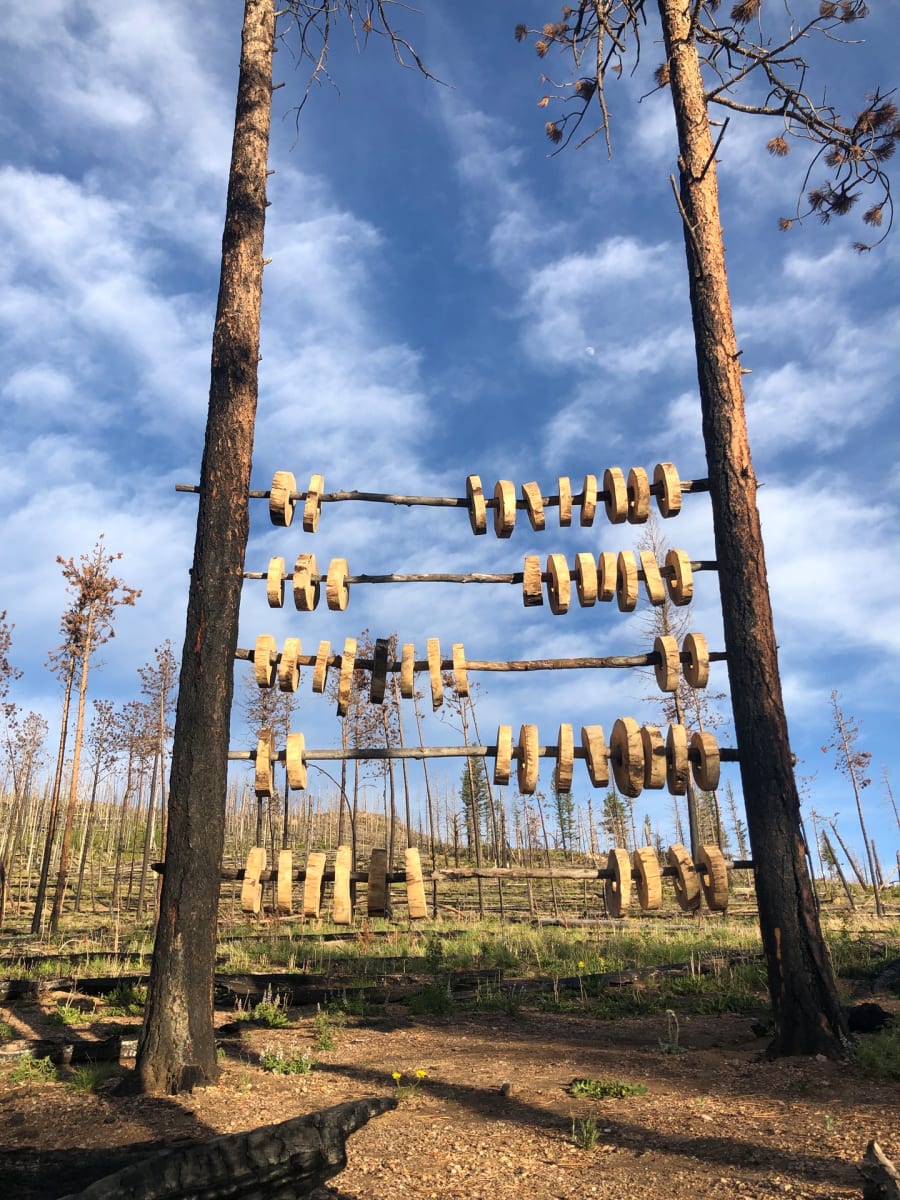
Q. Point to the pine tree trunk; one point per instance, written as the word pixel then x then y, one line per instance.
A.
pixel 41 897
pixel 177 1045
pixel 807 1013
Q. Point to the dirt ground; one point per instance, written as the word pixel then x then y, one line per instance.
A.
pixel 493 1116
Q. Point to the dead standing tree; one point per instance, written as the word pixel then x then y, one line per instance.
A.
pixel 707 57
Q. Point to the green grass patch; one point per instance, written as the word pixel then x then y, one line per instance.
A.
pixel 877 1055
pixel 33 1070
pixel 606 1089
pixel 434 1001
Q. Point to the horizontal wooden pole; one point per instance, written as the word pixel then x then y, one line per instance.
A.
pixel 480 664
pixel 380 753
pixel 509 577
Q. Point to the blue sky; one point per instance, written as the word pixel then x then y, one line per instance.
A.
pixel 444 298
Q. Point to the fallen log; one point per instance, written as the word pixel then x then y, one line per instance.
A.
pixel 882 1181
pixel 281 1162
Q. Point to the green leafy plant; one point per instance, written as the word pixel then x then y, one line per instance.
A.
pixel 66 1014
pixel 326 1023
pixel 32 1070
pixel 878 1054
pixel 406 1091
pixel 434 1000
pixel 270 1012
pixel 606 1089
pixel 585 1132
pixel 89 1077
pixel 126 1000
pixel 7 1033
pixel 294 1062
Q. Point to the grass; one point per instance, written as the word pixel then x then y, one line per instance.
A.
pixel 126 1000
pixel 606 1089
pixel 877 1055
pixel 7 1033
pixel 90 1077
pixel 585 1132
pixel 434 1000
pixel 32 1070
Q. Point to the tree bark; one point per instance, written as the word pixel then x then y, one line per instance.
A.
pixel 807 1014
pixel 177 1044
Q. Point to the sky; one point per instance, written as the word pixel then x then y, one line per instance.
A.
pixel 445 297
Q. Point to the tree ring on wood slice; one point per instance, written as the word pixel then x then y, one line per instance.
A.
pixel 677 764
pixel 264 771
pixel 617 890
pixel 606 575
pixel 527 765
pixel 654 756
pixel 667 487
pixel 251 888
pixel 342 910
pixel 626 581
pixel 379 671
pixel 503 759
pixel 668 662
pixel 476 504
pixel 337 590
pixel 433 654
pixel 281 502
pixel 415 886
pixel 288 667
pixel 306 583
pixel 565 759
pixel 595 754
pixel 696 668
pixel 714 879
pixel 653 580
pixel 559 584
pixel 313 884
pixel 505 512
pixel 679 577
pixel 376 888
pixel 637 489
pixel 686 880
pixel 705 761
pixel 312 505
pixel 586 579
pixel 564 494
pixel 588 500
pixel 645 862
pixel 284 887
pixel 534 506
pixel 626 753
pixel 460 674
pixel 408 671
pixel 532 593
pixel 265 655
pixel 320 669
pixel 275 583
pixel 615 495
pixel 295 757
pixel 345 680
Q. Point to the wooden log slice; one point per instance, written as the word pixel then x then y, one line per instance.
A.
pixel 593 743
pixel 265 660
pixel 559 584
pixel 295 757
pixel 532 591
pixel 564 492
pixel 667 487
pixel 505 512
pixel 376 890
pixel 337 590
pixel 606 575
pixel 477 506
pixel 275 583
pixel 251 888
pixel 696 668
pixel 433 654
pixel 320 669
pixel 379 671
pixel 534 506
pixel 408 671
pixel 288 666
pixel 565 759
pixel 460 674
pixel 679 577
pixel 705 761
pixel 588 500
pixel 285 887
pixel 615 495
pixel 654 756
pixel 668 660
pixel 626 753
pixel 653 580
pixel 503 759
pixel 313 884
pixel 345 679
pixel 586 579
pixel 306 583
pixel 626 581
pixel 637 489
pixel 312 506
pixel 263 767
pixel 686 881
pixel 645 862
pixel 415 887
pixel 677 764
pixel 617 889
pixel 281 501
pixel 342 911
pixel 527 765
pixel 714 878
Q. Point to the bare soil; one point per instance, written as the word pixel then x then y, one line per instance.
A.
pixel 493 1117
